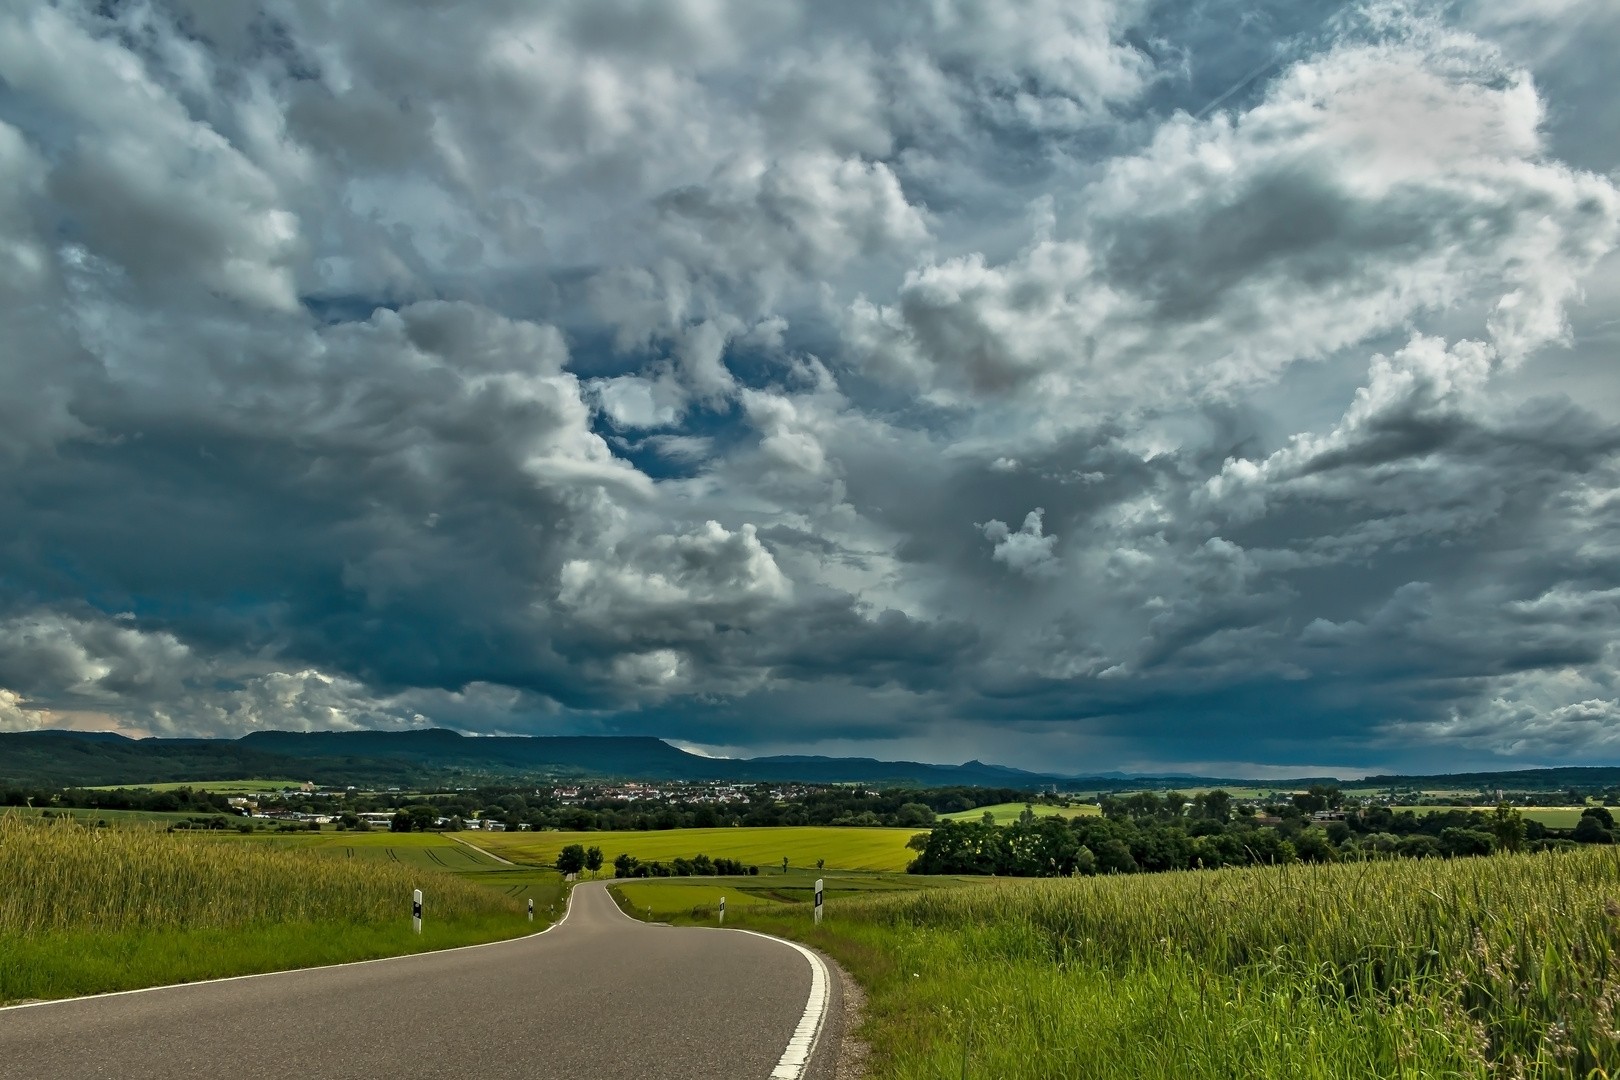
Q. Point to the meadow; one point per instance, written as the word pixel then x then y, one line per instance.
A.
pixel 88 910
pixel 1007 813
pixel 1554 817
pixel 1507 965
pixel 838 848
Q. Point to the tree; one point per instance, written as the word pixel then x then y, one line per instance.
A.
pixel 914 813
pixel 625 865
pixel 1314 845
pixel 593 858
pixel 401 822
pixel 1590 830
pixel 1114 857
pixel 1507 826
pixel 1215 805
pixel 571 859
pixel 988 817
pixel 422 817
pixel 918 842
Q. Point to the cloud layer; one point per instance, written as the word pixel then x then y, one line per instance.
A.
pixel 1031 381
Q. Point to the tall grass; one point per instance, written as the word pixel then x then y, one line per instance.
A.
pixel 87 910
pixel 1500 966
pixel 62 876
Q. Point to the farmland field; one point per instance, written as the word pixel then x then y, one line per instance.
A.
pixel 111 817
pixel 664 897
pixel 218 787
pixel 686 899
pixel 92 910
pixel 1008 812
pixel 1482 967
pixel 1554 817
pixel 841 848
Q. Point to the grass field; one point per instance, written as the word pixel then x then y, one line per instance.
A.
pixel 1008 812
pixel 1485 967
pixel 665 897
pixel 696 899
pixel 1554 817
pixel 92 910
pixel 111 817
pixel 218 787
pixel 840 848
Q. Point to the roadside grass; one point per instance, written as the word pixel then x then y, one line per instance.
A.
pixel 1008 812
pixel 1506 965
pixel 840 848
pixel 93 910
pixel 71 964
pixel 668 898
pixel 695 900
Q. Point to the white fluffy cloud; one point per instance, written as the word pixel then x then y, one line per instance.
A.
pixel 1373 185
pixel 1027 550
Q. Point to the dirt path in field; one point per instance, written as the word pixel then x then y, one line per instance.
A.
pixel 597 995
pixel 481 851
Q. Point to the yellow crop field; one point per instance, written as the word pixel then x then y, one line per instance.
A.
pixel 840 848
pixel 1007 813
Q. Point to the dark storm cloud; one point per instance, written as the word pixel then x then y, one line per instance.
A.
pixel 1079 385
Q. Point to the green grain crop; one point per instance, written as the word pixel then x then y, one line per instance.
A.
pixel 84 910
pixel 1500 966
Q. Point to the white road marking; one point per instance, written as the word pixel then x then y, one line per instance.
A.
pixel 568 907
pixel 802 1046
pixel 796 1058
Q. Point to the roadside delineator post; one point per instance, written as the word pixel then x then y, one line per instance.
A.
pixel 818 901
pixel 416 911
pixel 531 909
pixel 722 911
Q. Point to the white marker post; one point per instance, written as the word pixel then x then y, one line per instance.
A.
pixel 722 911
pixel 531 909
pixel 416 910
pixel 818 901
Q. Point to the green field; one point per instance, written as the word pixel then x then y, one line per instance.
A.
pixel 665 896
pixel 93 910
pixel 1486 967
pixel 112 817
pixel 840 848
pixel 1554 817
pixel 1008 812
pixel 218 787
pixel 695 899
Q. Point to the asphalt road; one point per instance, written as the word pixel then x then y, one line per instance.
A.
pixel 597 995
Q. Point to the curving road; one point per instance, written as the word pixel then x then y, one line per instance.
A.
pixel 597 995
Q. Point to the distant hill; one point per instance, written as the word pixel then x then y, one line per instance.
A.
pixel 440 757
pixel 436 756
pixel 1585 777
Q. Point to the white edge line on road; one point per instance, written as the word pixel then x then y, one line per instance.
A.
pixel 802 1046
pixel 294 971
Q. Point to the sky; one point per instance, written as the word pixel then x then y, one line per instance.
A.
pixel 1077 385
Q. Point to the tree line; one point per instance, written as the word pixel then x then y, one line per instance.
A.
pixel 1148 833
